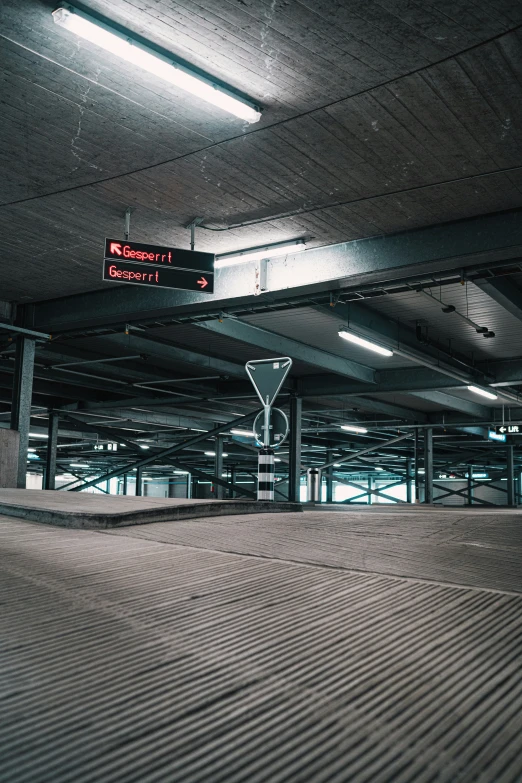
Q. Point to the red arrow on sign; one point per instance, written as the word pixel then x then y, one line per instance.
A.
pixel 115 249
pixel 202 282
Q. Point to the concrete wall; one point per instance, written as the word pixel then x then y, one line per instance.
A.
pixel 9 443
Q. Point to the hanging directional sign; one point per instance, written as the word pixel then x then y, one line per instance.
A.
pixel 267 376
pixel 140 252
pixel 138 263
pixel 509 429
pixel 157 276
pixel 278 428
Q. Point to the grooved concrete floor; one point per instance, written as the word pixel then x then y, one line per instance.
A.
pixel 126 658
pixel 457 546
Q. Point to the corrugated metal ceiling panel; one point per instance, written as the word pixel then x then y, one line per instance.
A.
pixel 448 328
pixel 320 331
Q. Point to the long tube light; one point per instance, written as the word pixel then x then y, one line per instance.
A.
pixel 242 433
pixel 350 428
pixel 482 392
pixel 136 53
pixel 255 253
pixel 362 343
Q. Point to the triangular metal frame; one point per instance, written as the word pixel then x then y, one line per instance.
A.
pixel 250 368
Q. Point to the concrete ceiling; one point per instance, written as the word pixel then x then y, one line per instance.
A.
pixel 378 117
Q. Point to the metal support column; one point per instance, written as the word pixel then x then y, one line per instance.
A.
pixel 510 477
pixel 294 466
pixel 409 463
pixel 50 459
pixel 233 474
pixel 469 497
pixel 428 465
pixel 139 482
pixel 370 488
pixel 21 401
pixel 329 478
pixel 218 466
pixel 124 488
pixel 416 466
pixel 189 486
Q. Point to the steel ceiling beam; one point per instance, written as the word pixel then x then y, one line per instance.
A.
pixel 154 345
pixel 404 380
pixel 455 403
pixel 447 246
pixel 119 417
pixel 285 346
pixel 381 406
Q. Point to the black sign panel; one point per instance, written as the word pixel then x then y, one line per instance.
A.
pixel 509 429
pixel 139 252
pixel 157 276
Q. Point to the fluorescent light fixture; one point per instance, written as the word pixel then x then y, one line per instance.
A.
pixel 213 454
pixel 362 343
pixel 276 459
pixel 77 465
pixel 38 435
pixel 138 54
pixel 482 392
pixel 242 433
pixel 31 450
pixel 350 428
pixel 143 446
pixel 32 456
pixel 337 465
pixel 379 468
pixel 255 253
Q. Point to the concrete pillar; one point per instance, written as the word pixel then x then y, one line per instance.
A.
pixel 139 482
pixel 124 486
pixel 218 467
pixel 510 476
pixel 469 499
pixel 329 478
pixel 21 401
pixel 428 465
pixel 233 474
pixel 9 443
pixel 294 467
pixel 189 486
pixel 171 493
pixel 409 465
pixel 50 459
